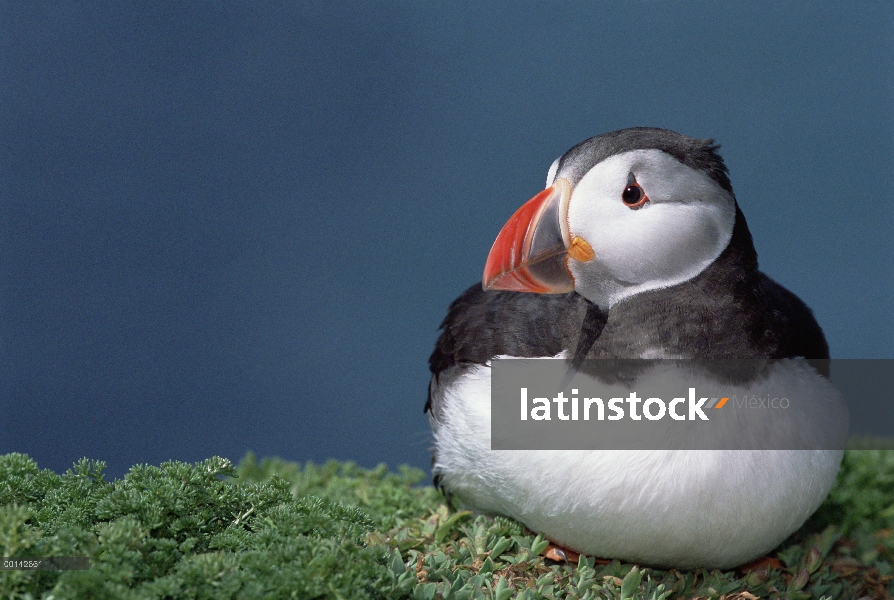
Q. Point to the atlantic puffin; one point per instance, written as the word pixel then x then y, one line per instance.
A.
pixel 636 248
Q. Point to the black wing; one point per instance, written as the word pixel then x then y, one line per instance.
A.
pixel 480 325
pixel 800 334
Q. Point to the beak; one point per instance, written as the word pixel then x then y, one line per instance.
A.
pixel 529 254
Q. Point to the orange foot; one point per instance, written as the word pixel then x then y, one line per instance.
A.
pixel 559 554
pixel 764 563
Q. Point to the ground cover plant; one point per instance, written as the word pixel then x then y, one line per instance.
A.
pixel 275 529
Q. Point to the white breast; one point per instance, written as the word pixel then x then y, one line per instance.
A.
pixel 682 508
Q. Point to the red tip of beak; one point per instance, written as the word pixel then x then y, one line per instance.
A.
pixel 529 253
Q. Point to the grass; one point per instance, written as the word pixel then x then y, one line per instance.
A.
pixel 275 529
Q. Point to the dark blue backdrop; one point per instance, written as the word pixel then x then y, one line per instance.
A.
pixel 236 225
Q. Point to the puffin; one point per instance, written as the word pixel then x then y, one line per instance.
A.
pixel 635 249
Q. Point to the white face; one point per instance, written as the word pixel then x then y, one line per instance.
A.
pixel 682 228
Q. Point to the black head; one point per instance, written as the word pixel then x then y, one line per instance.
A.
pixel 695 153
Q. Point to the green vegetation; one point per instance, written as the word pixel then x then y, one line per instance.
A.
pixel 274 529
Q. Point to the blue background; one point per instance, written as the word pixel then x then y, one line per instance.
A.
pixel 237 225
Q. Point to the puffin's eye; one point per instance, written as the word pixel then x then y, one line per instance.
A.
pixel 633 195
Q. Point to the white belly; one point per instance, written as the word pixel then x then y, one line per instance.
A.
pixel 671 508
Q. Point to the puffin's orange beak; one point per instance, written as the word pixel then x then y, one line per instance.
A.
pixel 530 252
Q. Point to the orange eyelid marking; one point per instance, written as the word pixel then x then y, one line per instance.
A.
pixel 580 250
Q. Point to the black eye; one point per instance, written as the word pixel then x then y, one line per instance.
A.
pixel 632 194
